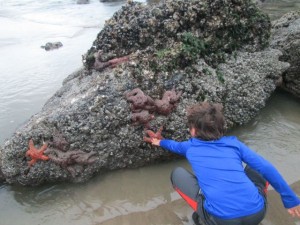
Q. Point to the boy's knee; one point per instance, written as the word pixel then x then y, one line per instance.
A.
pixel 176 174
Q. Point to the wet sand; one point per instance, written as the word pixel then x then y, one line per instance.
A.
pixel 177 213
pixel 276 214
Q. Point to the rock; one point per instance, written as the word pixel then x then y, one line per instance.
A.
pixel 52 45
pixel 91 114
pixel 183 29
pixel 88 122
pixel 83 2
pixel 250 79
pixel 286 38
pixel 2 177
pixel 108 0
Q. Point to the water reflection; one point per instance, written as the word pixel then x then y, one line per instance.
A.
pixel 113 195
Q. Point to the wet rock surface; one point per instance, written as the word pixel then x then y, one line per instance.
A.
pixel 88 123
pixel 286 38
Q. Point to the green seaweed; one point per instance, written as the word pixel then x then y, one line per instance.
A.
pixel 206 71
pixel 220 76
pixel 192 46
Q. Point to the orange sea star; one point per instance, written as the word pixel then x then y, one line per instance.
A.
pixel 151 135
pixel 36 154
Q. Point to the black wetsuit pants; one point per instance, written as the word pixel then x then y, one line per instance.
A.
pixel 185 183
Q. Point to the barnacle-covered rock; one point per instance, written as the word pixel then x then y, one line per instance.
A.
pixel 207 27
pixel 92 115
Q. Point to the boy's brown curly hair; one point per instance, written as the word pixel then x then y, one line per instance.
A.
pixel 207 119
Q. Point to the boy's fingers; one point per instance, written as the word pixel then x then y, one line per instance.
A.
pixel 147 139
pixel 154 142
pixel 294 212
pixel 291 212
pixel 298 212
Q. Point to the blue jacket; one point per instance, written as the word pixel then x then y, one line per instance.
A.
pixel 218 167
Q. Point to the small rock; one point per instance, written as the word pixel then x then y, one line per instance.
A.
pixel 52 45
pixel 83 2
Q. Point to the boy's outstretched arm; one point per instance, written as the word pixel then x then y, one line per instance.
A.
pixel 289 198
pixel 157 140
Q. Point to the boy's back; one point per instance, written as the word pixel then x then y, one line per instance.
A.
pixel 218 166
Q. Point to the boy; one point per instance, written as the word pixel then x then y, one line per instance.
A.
pixel 222 192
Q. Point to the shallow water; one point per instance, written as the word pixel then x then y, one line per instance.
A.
pixel 30 75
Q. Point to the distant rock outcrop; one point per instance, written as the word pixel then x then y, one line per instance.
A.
pixel 286 38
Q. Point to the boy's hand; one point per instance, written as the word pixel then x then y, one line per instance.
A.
pixel 295 211
pixel 155 141
pixel 152 135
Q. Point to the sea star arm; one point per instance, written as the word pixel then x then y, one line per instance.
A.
pixel 30 145
pixel 44 147
pixel 31 162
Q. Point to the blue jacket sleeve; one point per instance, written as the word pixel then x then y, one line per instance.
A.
pixel 271 174
pixel 174 146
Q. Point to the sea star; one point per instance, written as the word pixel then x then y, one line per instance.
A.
pixel 143 106
pixel 168 102
pixel 151 135
pixel 73 161
pixel 99 65
pixel 36 154
pixel 139 101
pixel 143 117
